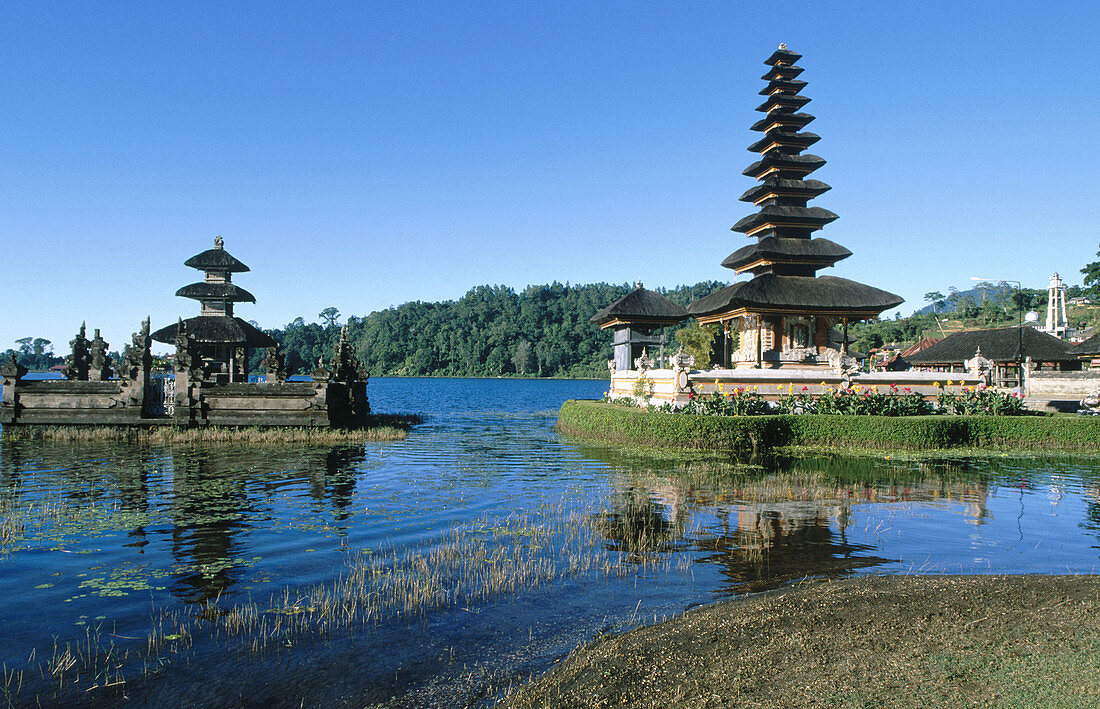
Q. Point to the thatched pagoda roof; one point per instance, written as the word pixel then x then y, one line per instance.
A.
pixel 772 248
pixel 216 259
pixel 217 330
pixel 782 56
pixel 808 294
pixel 809 217
pixel 641 307
pixel 773 184
pixel 216 291
pixel 999 345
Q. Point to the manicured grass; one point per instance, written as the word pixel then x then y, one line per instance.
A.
pixel 621 425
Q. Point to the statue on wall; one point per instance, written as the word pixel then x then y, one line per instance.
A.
pixel 275 365
pixel 136 356
pixel 79 362
pixel 100 369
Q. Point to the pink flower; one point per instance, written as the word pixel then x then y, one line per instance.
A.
pixel 805 388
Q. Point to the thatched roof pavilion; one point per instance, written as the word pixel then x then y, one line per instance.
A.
pixel 635 319
pixel 785 312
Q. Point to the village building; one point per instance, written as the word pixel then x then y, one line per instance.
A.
pixel 1007 349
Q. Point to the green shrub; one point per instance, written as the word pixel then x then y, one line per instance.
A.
pixel 656 429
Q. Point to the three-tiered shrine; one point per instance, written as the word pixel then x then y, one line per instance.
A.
pixel 222 340
pixel 786 313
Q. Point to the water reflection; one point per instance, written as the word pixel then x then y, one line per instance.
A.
pixel 767 523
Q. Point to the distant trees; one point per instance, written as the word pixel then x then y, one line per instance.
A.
pixel 544 330
pixel 1091 272
pixel 34 353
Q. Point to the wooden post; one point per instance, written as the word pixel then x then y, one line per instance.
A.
pixel 844 341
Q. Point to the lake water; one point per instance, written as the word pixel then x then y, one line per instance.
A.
pixel 485 546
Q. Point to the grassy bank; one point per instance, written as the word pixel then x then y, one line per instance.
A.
pixel 960 641
pixel 621 425
pixel 382 427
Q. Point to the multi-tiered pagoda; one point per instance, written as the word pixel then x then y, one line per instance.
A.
pixel 786 313
pixel 222 340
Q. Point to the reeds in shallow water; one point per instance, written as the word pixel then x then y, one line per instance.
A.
pixel 464 567
pixel 382 427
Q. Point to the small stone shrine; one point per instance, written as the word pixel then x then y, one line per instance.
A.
pixel 209 386
pixel 638 319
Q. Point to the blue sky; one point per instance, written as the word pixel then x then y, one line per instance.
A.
pixel 362 155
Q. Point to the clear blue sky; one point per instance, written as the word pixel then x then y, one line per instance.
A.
pixel 365 154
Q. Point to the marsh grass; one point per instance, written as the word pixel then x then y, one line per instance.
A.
pixel 467 566
pixel 381 427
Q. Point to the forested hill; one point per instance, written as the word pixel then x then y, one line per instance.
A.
pixel 490 331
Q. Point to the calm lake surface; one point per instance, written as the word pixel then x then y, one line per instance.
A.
pixel 539 545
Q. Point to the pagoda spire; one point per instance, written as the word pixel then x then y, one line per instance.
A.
pixel 784 190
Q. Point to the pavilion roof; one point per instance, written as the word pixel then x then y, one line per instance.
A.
pixel 641 306
pixel 809 294
pixel 216 291
pixel 774 248
pixel 920 346
pixel 217 330
pixel 999 345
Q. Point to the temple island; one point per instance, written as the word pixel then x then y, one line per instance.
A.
pixel 786 326
pixel 209 384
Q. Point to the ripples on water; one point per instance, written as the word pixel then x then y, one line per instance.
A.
pixel 108 537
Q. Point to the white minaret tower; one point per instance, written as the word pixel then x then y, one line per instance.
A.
pixel 1057 322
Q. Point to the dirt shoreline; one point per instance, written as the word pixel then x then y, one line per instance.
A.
pixel 883 641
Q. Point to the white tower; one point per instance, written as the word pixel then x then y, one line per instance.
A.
pixel 1057 322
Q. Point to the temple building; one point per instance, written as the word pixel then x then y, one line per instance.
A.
pixel 209 384
pixel 223 340
pixel 785 313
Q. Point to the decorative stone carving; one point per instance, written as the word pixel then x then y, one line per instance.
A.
pixel 78 364
pixel 980 366
pixel 275 365
pixel 842 363
pixel 136 356
pixel 644 362
pixel 799 354
pixel 611 366
pixel 12 371
pixel 344 366
pixel 100 368
pixel 322 374
pixel 681 369
pixel 1091 404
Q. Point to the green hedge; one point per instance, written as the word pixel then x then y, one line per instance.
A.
pixel 597 421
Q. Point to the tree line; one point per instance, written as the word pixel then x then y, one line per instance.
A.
pixel 491 331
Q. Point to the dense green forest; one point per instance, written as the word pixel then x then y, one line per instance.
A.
pixel 491 331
